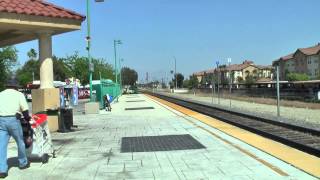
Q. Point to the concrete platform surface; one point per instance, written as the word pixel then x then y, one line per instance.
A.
pixel 93 150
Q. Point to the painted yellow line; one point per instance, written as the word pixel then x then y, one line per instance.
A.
pixel 301 160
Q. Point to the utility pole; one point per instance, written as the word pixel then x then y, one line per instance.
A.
pixel 218 81
pixel 212 87
pixel 120 67
pixel 88 38
pixel 115 43
pixel 175 71
pixel 88 49
pixel 230 81
pixel 278 92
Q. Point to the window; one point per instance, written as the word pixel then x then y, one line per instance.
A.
pixel 316 72
pixel 309 61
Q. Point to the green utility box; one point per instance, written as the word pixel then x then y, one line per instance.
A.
pixel 106 86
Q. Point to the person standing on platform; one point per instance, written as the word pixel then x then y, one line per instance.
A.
pixel 12 103
pixel 107 100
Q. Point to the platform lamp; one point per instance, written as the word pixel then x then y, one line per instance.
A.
pixel 88 39
pixel 115 43
pixel 218 70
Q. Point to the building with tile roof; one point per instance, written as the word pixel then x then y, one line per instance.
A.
pixel 239 72
pixel 303 61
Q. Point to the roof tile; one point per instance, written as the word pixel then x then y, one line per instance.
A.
pixel 38 8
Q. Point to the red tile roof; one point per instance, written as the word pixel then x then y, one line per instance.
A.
pixel 310 50
pixel 38 8
pixel 287 57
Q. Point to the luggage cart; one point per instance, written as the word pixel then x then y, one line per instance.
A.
pixel 42 146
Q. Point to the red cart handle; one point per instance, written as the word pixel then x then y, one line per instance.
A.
pixel 39 119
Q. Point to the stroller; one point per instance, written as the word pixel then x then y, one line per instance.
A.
pixel 41 145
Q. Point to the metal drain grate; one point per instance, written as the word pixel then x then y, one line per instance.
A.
pixel 138 108
pixel 137 101
pixel 159 143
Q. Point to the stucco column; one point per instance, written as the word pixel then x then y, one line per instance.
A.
pixel 45 57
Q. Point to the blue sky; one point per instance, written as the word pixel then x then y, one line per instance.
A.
pixel 196 32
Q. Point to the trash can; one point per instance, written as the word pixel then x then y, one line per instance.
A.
pixel 66 119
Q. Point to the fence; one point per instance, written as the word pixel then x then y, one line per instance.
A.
pixel 106 87
pixel 302 94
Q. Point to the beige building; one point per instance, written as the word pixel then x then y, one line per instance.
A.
pixel 239 72
pixel 303 60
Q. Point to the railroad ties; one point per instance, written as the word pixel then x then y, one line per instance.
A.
pixel 302 138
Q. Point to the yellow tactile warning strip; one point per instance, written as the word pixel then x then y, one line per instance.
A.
pixel 306 162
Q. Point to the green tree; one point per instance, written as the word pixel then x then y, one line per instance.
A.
pixel 239 79
pixel 8 56
pixel 27 71
pixel 78 67
pixel 32 54
pixel 103 68
pixel 193 82
pixel 297 77
pixel 60 69
pixel 129 76
pixel 250 80
pixel 180 79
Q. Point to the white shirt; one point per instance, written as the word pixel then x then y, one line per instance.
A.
pixel 108 97
pixel 12 102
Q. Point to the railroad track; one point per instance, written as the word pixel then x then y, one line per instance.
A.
pixel 304 139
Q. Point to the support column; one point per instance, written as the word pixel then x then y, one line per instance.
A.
pixel 46 99
pixel 46 64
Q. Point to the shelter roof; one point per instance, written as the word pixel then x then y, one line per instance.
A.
pixel 310 50
pixel 38 8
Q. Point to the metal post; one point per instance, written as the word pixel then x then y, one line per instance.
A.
pixel 212 86
pixel 230 81
pixel 115 60
pixel 175 71
pixel 88 49
pixel 120 67
pixel 278 92
pixel 218 82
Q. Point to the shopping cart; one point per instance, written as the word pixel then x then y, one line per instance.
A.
pixel 42 146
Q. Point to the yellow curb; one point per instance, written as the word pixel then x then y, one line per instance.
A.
pixel 301 160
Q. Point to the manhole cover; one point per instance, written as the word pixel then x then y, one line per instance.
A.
pixel 159 143
pixel 138 108
pixel 137 101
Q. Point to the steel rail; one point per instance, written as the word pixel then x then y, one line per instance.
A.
pixel 302 138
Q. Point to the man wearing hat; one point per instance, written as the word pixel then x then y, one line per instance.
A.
pixel 12 102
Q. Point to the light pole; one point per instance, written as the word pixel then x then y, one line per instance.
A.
pixel 115 43
pixel 230 81
pixel 218 81
pixel 121 60
pixel 88 38
pixel 175 71
pixel 278 92
pixel 213 88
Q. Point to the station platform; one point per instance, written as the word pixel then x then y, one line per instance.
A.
pixel 175 146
